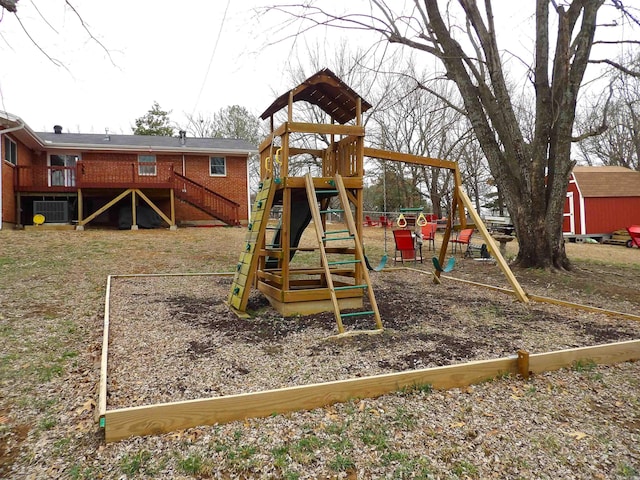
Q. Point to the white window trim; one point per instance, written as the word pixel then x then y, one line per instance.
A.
pixel 147 164
pixel 5 153
pixel 225 166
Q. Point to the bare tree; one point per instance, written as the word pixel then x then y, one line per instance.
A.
pixel 616 113
pixel 532 173
pixel 420 123
pixel 12 7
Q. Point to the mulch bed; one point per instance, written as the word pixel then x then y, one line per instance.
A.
pixel 174 338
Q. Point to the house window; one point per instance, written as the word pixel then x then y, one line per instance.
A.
pixel 62 170
pixel 147 165
pixel 217 166
pixel 10 151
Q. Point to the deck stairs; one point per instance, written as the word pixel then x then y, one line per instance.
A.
pixel 206 200
pixel 326 237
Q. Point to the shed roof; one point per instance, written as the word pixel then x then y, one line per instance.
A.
pixel 607 181
pixel 328 92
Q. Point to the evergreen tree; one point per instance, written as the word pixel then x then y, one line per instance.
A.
pixel 155 122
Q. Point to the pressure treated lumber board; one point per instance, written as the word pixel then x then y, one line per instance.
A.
pixel 161 418
pixel 601 354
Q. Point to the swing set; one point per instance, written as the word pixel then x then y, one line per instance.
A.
pixel 340 281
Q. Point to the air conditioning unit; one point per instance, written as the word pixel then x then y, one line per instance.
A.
pixel 54 211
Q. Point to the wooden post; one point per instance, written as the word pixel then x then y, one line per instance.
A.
pixel 458 188
pixel 18 209
pixel 523 364
pixel 134 219
pixel 502 263
pixel 285 234
pixel 172 200
pixel 80 210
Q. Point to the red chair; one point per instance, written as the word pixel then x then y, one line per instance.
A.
pixel 463 238
pixel 384 221
pixel 406 247
pixel 369 223
pixel 429 234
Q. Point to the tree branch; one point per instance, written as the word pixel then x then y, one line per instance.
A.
pixel 86 29
pixel 618 66
pixel 57 63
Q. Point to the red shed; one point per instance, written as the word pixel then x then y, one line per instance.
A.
pixel 601 200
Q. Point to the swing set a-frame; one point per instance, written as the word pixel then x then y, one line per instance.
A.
pixel 341 281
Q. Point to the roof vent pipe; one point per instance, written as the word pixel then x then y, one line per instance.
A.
pixel 57 129
pixel 183 136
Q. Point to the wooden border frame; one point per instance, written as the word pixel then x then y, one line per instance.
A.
pixel 155 419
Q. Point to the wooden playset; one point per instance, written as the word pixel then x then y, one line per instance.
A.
pixel 341 280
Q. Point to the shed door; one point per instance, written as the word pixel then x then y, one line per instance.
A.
pixel 568 222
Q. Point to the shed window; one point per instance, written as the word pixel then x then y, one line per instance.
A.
pixel 147 165
pixel 10 151
pixel 217 166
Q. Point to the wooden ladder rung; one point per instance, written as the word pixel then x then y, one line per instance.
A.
pixel 332 239
pixel 356 314
pixel 343 262
pixel 350 287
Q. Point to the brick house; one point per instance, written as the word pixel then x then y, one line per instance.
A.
pixel 120 180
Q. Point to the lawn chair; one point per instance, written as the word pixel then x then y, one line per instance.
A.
pixel 369 223
pixel 463 238
pixel 384 221
pixel 406 249
pixel 429 234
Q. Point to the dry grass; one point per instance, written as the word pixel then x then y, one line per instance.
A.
pixel 51 297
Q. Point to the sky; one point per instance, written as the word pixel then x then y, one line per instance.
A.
pixel 192 57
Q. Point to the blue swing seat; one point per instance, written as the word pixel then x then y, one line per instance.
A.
pixel 447 268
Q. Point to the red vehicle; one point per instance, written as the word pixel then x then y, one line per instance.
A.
pixel 634 233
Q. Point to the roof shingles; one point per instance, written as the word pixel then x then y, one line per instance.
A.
pixel 607 181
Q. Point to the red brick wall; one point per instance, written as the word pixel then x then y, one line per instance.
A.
pixel 8 196
pixel 232 186
pixel 25 157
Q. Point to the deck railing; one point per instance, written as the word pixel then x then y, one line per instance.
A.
pixel 45 179
pixel 207 200
pixel 94 174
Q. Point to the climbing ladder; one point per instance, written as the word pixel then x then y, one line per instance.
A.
pixel 351 234
pixel 246 267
